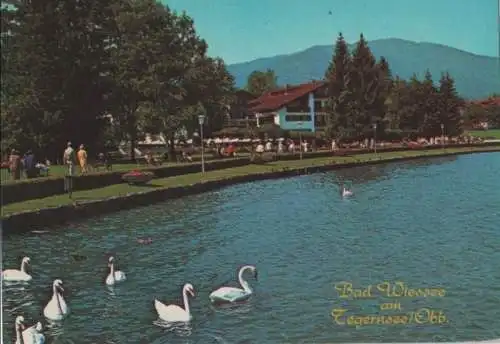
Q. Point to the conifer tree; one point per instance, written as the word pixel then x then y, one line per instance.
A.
pixel 365 88
pixel 449 105
pixel 337 77
pixel 428 107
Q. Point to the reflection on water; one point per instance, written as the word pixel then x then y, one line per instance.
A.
pixel 427 224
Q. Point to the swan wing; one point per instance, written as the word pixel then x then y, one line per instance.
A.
pixel 120 276
pixel 32 336
pixel 52 312
pixel 15 275
pixel 171 312
pixel 229 294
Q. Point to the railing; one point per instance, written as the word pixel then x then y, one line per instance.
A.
pixel 240 122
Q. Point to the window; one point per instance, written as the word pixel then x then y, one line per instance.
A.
pixel 298 118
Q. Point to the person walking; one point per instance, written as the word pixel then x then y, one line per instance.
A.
pixel 82 159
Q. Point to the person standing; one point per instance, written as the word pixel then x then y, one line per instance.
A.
pixel 69 161
pixel 29 164
pixel 15 165
pixel 82 159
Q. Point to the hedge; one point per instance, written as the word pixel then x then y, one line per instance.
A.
pixel 50 186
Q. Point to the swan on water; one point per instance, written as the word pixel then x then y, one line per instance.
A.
pixel 231 294
pixel 57 308
pixel 114 276
pixel 346 192
pixel 30 335
pixel 174 313
pixel 12 275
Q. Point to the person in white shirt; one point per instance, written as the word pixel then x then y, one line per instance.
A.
pixel 260 148
pixel 269 146
pixel 69 159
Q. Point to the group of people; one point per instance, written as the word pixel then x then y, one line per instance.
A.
pixel 27 164
pixel 70 157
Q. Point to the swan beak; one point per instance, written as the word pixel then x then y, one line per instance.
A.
pixel 61 288
pixel 192 293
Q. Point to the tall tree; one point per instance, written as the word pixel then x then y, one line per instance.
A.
pixel 57 50
pixel 259 82
pixel 366 89
pixel 338 121
pixel 449 106
pixel 430 122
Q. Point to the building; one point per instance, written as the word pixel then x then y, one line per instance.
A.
pixel 238 110
pixel 294 107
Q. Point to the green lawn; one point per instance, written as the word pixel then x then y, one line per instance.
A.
pixel 189 179
pixel 60 171
pixel 493 133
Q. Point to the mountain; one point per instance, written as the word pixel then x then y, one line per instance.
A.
pixel 476 76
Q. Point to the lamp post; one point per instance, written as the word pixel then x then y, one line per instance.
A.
pixel 442 135
pixel 375 137
pixel 201 120
pixel 300 138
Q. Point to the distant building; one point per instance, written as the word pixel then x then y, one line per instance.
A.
pixel 294 107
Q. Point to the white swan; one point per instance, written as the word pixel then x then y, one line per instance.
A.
pixel 57 308
pixel 30 335
pixel 13 275
pixel 174 313
pixel 114 276
pixel 231 294
pixel 345 192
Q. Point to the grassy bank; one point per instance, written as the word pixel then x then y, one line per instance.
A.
pixel 492 133
pixel 118 190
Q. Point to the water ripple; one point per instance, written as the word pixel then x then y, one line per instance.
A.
pixel 428 223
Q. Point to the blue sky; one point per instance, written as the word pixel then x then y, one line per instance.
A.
pixel 242 30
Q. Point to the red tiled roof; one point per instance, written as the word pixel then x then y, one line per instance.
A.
pixel 276 99
pixel 492 101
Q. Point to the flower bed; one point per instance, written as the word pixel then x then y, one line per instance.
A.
pixel 137 177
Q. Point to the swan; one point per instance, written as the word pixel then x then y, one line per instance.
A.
pixel 57 308
pixel 30 335
pixel 345 192
pixel 174 313
pixel 231 294
pixel 12 275
pixel 114 276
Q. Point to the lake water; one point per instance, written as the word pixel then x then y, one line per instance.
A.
pixel 428 223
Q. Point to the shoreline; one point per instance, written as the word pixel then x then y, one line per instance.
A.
pixel 21 222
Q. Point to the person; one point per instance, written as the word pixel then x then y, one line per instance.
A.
pixel 15 164
pixel 82 159
pixel 69 159
pixel 29 165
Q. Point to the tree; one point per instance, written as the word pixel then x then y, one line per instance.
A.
pixel 449 105
pixel 136 25
pixel 259 82
pixel 338 122
pixel 367 90
pixel 57 52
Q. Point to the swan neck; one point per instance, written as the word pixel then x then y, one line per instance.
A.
pixel 112 270
pixel 243 283
pixel 23 266
pixel 186 301
pixel 58 301
pixel 19 335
